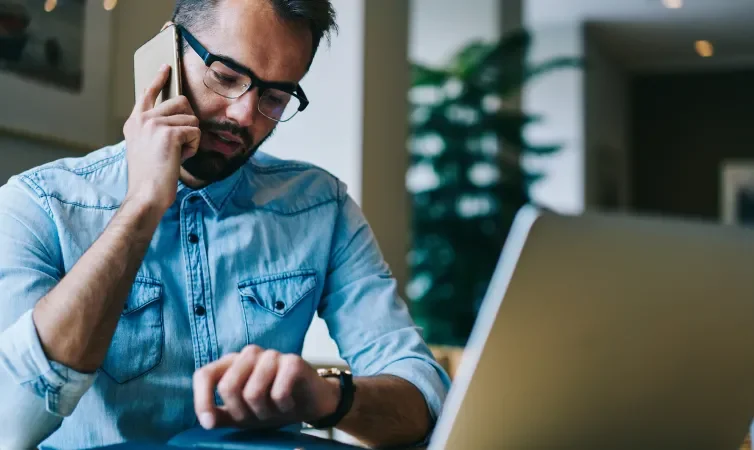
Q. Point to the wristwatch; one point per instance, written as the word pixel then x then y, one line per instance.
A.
pixel 347 390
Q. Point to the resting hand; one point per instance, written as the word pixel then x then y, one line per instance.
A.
pixel 260 389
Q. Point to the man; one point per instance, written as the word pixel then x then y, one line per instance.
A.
pixel 169 280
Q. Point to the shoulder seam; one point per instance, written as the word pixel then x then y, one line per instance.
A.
pixel 100 164
pixel 289 167
pixel 42 195
pixel 81 205
pixel 284 167
pixel 296 167
pixel 86 169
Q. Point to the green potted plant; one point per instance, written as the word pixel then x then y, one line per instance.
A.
pixel 466 180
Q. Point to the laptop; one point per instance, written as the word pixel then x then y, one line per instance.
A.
pixel 609 332
pixel 598 332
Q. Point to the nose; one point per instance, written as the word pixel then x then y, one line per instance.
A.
pixel 243 110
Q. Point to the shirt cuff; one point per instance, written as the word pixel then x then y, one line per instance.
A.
pixel 429 378
pixel 21 354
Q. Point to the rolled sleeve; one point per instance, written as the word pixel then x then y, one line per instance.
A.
pixel 427 376
pixel 22 356
pixel 367 317
pixel 36 393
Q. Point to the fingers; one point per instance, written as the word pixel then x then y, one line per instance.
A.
pixel 233 381
pixel 256 393
pixel 205 380
pixel 256 388
pixel 289 372
pixel 177 105
pixel 178 120
pixel 149 97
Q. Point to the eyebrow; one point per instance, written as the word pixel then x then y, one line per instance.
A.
pixel 227 58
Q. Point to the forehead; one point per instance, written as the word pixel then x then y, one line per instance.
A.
pixel 251 32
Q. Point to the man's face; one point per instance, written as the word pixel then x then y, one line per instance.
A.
pixel 250 33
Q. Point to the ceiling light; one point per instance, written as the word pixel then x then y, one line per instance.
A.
pixel 50 5
pixel 672 4
pixel 704 49
pixel 110 4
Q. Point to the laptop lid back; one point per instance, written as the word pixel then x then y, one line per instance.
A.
pixel 612 332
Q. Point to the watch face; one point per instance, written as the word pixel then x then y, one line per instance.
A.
pixel 332 372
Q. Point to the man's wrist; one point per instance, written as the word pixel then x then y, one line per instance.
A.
pixel 334 390
pixel 341 394
pixel 142 211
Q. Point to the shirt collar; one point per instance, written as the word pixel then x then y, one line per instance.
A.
pixel 216 194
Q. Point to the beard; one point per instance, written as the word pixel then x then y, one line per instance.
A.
pixel 211 166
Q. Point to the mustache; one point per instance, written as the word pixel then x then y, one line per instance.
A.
pixel 230 127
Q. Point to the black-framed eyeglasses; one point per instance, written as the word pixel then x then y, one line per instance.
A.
pixel 278 101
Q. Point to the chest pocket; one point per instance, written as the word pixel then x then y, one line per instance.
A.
pixel 137 344
pixel 278 309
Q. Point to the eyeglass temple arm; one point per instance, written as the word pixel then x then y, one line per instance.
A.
pixel 198 48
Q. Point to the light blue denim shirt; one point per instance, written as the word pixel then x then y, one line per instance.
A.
pixel 248 260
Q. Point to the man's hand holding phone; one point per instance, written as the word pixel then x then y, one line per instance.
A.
pixel 158 139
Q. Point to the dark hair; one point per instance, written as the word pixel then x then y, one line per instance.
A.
pixel 318 14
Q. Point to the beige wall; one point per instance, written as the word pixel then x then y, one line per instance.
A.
pixel 135 22
pixel 385 158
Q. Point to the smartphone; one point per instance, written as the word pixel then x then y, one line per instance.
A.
pixel 161 49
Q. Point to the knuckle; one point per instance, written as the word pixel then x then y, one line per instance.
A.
pixel 132 122
pixel 283 392
pixel 296 364
pixel 200 376
pixel 288 359
pixel 185 103
pixel 253 348
pixel 226 388
pixel 250 351
pixel 253 395
pixel 271 355
pixel 151 124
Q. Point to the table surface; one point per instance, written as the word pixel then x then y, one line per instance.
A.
pixel 240 440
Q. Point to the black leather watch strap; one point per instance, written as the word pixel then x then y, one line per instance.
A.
pixel 347 390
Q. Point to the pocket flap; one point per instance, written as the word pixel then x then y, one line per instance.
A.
pixel 279 293
pixel 143 292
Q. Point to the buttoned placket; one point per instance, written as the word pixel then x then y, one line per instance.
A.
pixel 198 283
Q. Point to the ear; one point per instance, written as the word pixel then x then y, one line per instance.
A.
pixel 167 24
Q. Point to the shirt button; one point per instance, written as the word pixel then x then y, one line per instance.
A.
pixel 199 310
pixel 279 305
pixel 193 238
pixel 193 199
